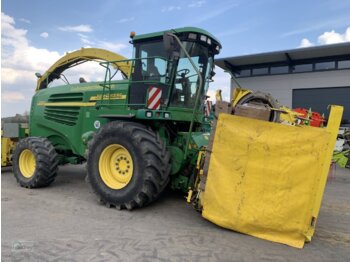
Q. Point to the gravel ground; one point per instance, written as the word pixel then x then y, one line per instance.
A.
pixel 65 222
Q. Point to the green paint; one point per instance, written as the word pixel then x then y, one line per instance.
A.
pixel 342 158
pixel 176 31
pixel 177 156
pixel 180 182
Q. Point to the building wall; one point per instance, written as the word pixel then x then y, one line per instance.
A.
pixel 281 86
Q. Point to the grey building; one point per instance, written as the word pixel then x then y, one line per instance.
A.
pixel 306 77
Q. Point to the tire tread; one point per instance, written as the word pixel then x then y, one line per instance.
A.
pixel 46 162
pixel 156 160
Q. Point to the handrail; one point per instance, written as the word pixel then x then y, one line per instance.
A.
pixel 132 59
pixel 199 91
pixel 108 78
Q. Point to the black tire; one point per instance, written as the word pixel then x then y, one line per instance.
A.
pixel 264 98
pixel 46 162
pixel 150 159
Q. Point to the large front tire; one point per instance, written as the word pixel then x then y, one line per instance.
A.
pixel 35 162
pixel 128 165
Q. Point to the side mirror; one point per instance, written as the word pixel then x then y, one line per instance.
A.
pixel 170 44
pixel 211 75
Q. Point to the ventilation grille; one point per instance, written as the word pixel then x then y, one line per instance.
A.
pixel 67 115
pixel 67 97
pixel 64 115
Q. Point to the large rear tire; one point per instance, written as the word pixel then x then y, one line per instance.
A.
pixel 128 165
pixel 35 162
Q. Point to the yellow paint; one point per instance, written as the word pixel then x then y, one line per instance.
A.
pixel 199 173
pixel 238 94
pixel 288 115
pixel 189 196
pixel 88 54
pixel 116 166
pixel 27 163
pixel 80 104
pixel 332 128
pixel 200 157
pixel 218 95
pixel 7 146
pixel 269 180
pixel 117 96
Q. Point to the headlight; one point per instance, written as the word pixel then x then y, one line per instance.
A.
pixel 192 36
pixel 203 38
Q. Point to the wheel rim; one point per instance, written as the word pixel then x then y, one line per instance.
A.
pixel 27 163
pixel 116 166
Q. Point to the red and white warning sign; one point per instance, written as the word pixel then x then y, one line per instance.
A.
pixel 207 108
pixel 154 95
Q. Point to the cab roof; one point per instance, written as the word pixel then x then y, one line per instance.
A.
pixel 176 31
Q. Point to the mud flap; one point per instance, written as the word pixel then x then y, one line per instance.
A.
pixel 267 179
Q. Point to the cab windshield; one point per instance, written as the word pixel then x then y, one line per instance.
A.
pixel 186 78
pixel 175 76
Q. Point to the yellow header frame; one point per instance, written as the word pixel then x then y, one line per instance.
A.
pixel 84 54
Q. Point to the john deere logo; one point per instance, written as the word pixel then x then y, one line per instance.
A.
pixel 97 124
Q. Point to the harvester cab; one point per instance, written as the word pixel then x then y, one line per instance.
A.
pixel 171 69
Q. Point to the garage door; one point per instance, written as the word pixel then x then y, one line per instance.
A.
pixel 319 98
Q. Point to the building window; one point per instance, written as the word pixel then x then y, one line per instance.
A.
pixel 302 68
pixel 275 69
pixel 279 70
pixel 344 64
pixel 260 71
pixel 244 72
pixel 325 65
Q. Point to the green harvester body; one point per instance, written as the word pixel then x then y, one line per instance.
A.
pixel 70 114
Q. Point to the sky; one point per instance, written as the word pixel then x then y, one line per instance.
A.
pixel 36 33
